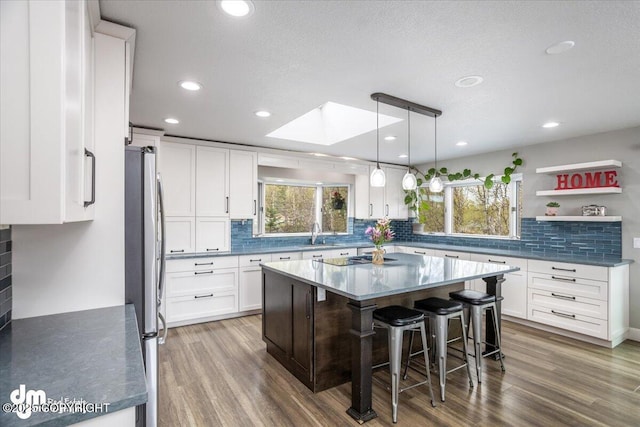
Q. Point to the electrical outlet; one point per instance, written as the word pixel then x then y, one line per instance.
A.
pixel 636 242
pixel 322 294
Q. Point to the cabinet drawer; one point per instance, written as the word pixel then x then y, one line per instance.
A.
pixel 451 254
pixel 339 253
pixel 521 263
pixel 254 260
pixel 569 270
pixel 568 286
pixel 195 307
pixel 316 254
pixel 419 251
pixel 200 264
pixel 194 283
pixel 286 256
pixel 567 303
pixel 569 321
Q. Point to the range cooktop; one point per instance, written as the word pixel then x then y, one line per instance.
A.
pixel 352 260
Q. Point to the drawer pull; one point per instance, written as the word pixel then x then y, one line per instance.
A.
pixel 451 256
pixel 173 251
pixel 212 250
pixel 203 296
pixel 344 253
pixel 285 258
pixel 203 272
pixel 317 256
pixel 255 260
pixel 420 253
pixel 568 316
pixel 563 296
pixel 563 279
pixel 203 263
pixel 497 262
pixel 572 270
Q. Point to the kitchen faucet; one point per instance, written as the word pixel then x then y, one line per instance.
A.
pixel 315 230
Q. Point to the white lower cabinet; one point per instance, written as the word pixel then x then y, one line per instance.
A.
pixel 251 281
pixel 286 256
pixel 202 292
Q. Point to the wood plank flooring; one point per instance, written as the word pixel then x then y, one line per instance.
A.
pixel 219 374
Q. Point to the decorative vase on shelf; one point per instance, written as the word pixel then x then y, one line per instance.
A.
pixel 377 256
pixel 551 211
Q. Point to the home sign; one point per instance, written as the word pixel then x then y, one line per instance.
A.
pixel 587 180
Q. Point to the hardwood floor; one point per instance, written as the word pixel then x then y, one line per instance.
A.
pixel 219 374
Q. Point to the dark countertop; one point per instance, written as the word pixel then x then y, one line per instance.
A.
pixel 470 249
pixel 93 355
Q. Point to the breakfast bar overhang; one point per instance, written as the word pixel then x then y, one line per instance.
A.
pixel 301 298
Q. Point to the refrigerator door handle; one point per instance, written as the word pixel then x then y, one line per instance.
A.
pixel 163 241
pixel 162 339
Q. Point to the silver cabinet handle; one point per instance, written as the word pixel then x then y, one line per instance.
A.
pixel 563 296
pixel 203 296
pixel 212 250
pixel 370 209
pixel 497 262
pixel 569 316
pixel 173 251
pixel 255 207
pixel 203 272
pixel 563 279
pixel 89 154
pixel 451 256
pixel 573 270
pixel 285 258
pixel 387 210
pixel 227 205
pixel 203 263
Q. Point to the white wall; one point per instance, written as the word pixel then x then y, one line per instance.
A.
pixel 623 145
pixel 80 266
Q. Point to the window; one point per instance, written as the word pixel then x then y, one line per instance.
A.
pixel 467 207
pixel 293 208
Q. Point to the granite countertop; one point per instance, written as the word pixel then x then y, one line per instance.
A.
pixel 406 273
pixel 470 249
pixel 93 355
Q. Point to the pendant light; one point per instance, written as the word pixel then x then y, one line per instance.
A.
pixel 377 178
pixel 435 185
pixel 409 181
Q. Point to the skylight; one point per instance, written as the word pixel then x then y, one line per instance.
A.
pixel 331 123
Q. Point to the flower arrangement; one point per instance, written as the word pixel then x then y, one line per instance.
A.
pixel 381 233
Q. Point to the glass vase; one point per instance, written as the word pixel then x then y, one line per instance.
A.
pixel 377 256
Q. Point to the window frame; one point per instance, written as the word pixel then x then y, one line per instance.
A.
pixel 318 207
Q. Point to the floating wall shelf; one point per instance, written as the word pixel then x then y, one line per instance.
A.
pixel 578 191
pixel 601 164
pixel 580 218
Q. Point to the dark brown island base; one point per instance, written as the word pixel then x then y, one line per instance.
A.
pixel 318 317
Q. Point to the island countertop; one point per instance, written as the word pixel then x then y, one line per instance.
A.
pixel 91 355
pixel 402 273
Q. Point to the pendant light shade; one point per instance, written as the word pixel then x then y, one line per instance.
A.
pixel 435 185
pixel 377 179
pixel 409 181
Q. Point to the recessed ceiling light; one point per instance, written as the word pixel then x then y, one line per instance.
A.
pixel 461 143
pixel 171 121
pixel 551 125
pixel 390 138
pixel 403 156
pixel 189 85
pixel 469 81
pixel 263 113
pixel 237 8
pixel 560 47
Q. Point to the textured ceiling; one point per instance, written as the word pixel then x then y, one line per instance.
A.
pixel 289 57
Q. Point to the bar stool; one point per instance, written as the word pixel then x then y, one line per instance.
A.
pixel 477 302
pixel 440 311
pixel 397 319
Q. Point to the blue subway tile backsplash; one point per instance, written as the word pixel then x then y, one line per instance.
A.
pixel 575 238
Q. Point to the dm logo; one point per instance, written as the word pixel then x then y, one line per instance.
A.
pixel 26 400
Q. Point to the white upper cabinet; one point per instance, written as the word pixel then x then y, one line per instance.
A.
pixel 212 182
pixel 177 166
pixel 243 185
pixel 378 202
pixel 213 235
pixel 394 194
pixel 47 161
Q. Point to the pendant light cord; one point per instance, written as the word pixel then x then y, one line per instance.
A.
pixel 409 139
pixel 378 133
pixel 435 143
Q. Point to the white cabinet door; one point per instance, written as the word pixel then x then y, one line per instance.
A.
pixel 177 166
pixel 213 234
pixel 243 184
pixel 181 235
pixel 212 182
pixel 394 194
pixel 376 200
pixel 361 193
pixel 250 289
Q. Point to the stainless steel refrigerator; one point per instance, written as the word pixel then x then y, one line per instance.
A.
pixel 144 264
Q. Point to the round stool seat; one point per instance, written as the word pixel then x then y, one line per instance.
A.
pixel 472 297
pixel 438 306
pixel 397 315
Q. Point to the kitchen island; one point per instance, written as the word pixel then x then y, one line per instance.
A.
pixel 318 316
